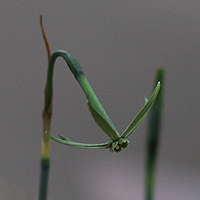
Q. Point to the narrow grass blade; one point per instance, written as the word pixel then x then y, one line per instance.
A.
pixel 68 142
pixel 140 116
pixel 153 136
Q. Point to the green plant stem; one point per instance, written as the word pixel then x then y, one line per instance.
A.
pixel 44 174
pixel 45 159
pixel 46 142
pixel 153 136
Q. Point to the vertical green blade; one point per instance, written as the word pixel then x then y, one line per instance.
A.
pixel 153 135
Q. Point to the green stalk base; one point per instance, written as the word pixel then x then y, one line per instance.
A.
pixel 44 174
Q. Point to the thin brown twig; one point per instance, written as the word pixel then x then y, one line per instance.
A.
pixel 45 38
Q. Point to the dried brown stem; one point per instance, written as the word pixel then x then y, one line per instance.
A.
pixel 45 38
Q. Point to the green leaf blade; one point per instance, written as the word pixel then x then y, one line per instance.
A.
pixel 142 113
pixel 104 124
pixel 68 142
pixel 153 138
pixel 98 113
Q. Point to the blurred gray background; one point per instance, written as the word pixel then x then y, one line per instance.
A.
pixel 119 44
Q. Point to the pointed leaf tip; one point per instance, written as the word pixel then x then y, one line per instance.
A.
pixel 142 113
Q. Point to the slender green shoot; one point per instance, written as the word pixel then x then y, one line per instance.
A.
pixel 46 118
pixel 153 136
pixel 117 142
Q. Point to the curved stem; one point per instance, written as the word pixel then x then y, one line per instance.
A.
pixel 94 105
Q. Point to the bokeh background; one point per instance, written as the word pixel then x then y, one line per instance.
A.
pixel 119 45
